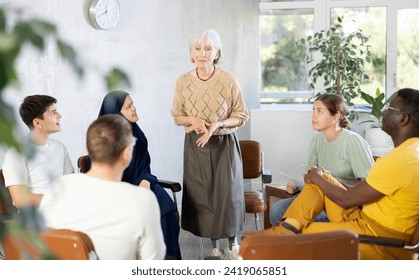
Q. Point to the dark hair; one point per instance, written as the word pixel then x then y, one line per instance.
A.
pixel 33 107
pixel 410 103
pixel 107 137
pixel 335 104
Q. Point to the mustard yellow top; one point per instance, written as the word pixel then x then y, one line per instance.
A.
pixel 397 176
pixel 214 100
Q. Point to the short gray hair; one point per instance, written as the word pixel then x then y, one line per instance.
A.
pixel 212 37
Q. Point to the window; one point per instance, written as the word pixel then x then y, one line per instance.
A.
pixel 391 25
pixel 408 48
pixel 283 63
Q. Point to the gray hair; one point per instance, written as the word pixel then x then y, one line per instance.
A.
pixel 212 36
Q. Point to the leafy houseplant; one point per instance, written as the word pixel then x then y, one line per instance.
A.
pixel 379 141
pixel 378 102
pixel 15 34
pixel 341 64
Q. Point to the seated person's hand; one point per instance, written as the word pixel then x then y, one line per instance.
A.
pixel 145 184
pixel 312 173
pixel 291 189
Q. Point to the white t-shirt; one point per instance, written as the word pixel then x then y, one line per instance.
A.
pixel 49 162
pixel 122 220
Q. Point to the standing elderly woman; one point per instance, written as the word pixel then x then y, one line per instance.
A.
pixel 209 103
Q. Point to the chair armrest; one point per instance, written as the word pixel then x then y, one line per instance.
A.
pixel 266 176
pixel 390 242
pixel 382 241
pixel 174 186
pixel 274 191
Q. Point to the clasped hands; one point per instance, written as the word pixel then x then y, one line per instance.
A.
pixel 202 127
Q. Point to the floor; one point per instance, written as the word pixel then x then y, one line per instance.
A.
pixel 190 244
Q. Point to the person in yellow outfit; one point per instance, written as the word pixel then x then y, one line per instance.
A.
pixel 385 204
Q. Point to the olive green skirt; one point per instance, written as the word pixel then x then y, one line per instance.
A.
pixel 213 195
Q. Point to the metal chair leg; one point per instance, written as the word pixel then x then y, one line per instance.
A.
pixel 257 221
pixel 202 248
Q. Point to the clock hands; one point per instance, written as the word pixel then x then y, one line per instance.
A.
pixel 102 14
pixel 105 12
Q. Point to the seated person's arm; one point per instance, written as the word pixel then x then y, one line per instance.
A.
pixel 21 196
pixel 351 186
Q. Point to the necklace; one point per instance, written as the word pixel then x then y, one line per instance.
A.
pixel 204 80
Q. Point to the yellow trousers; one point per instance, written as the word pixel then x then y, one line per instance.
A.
pixel 312 201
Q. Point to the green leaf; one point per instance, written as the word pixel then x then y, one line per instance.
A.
pixel 367 97
pixel 378 92
pixel 26 33
pixel 2 20
pixel 42 27
pixel 116 78
pixel 8 42
pixel 67 52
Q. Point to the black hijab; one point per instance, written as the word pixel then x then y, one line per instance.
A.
pixel 139 168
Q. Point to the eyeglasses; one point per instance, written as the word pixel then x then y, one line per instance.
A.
pixel 387 106
pixel 133 141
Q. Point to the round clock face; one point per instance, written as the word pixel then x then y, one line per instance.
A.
pixel 104 14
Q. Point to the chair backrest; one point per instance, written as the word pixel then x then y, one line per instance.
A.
pixel 251 158
pixel 333 245
pixel 6 206
pixel 63 244
pixel 82 163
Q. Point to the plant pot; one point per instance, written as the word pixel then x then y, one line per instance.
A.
pixel 379 141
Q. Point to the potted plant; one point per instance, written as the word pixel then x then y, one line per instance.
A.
pixel 341 63
pixel 380 142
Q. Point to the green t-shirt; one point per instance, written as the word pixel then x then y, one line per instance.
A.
pixel 348 157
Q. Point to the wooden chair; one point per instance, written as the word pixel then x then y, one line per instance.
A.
pixel 273 193
pixel 253 168
pixel 333 245
pixel 62 244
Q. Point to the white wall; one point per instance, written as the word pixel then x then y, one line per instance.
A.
pixel 150 43
pixel 284 133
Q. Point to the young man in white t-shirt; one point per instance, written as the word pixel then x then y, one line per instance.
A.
pixel 123 220
pixel 28 178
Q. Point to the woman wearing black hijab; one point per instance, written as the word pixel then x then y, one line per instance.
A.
pixel 139 172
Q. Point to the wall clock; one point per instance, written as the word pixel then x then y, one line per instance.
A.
pixel 104 14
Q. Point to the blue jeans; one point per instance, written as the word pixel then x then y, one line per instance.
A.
pixel 278 209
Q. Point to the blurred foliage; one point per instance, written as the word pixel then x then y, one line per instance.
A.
pixel 15 34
